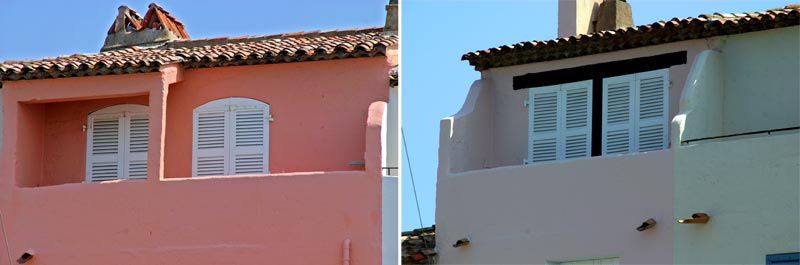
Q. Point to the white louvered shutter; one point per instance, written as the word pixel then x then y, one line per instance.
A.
pixel 104 147
pixel 231 136
pixel 210 129
pixel 249 138
pixel 136 154
pixel 116 146
pixel 577 132
pixel 652 110
pixel 543 115
pixel 618 113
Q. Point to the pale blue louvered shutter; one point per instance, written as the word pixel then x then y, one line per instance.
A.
pixel 543 125
pixel 618 114
pixel 577 125
pixel 652 123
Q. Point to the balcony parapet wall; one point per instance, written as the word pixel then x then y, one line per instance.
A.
pixel 465 139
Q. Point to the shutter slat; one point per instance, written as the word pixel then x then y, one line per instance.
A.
pixel 102 171
pixel 137 169
pixel 618 142
pixel 249 164
pixel 211 130
pixel 545 112
pixel 105 133
pixel 544 150
pixel 138 134
pixel 211 166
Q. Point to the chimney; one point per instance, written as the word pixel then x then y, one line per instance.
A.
pixel 577 17
pixel 614 14
pixel 391 27
pixel 130 29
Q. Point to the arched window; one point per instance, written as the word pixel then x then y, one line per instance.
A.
pixel 230 137
pixel 116 146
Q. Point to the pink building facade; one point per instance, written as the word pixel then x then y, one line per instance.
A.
pixel 296 182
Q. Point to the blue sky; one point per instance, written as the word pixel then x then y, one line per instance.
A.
pixel 435 82
pixel 49 28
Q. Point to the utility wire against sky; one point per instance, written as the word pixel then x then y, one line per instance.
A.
pixel 414 187
pixel 410 172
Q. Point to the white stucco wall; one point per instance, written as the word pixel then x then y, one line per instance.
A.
pixel 574 210
pixel 575 16
pixel 391 159
pixel 509 135
pixel 749 185
pixel 390 226
pixel 590 208
pixel 762 80
pixel 750 188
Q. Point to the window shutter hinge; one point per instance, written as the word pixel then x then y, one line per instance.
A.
pixel 526 103
pixel 525 161
pixel 269 118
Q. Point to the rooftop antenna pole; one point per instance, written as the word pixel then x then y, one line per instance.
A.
pixel 5 237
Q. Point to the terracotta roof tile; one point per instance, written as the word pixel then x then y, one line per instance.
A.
pixel 215 52
pixel 661 32
pixel 419 246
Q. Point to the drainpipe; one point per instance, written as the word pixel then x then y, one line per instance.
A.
pixel 346 252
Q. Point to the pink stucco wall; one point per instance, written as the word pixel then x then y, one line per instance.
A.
pixel 318 110
pixel 64 137
pixel 326 114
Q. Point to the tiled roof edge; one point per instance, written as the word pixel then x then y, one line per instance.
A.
pixel 36 69
pixel 191 43
pixel 675 30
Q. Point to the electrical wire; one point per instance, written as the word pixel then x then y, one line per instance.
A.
pixel 411 172
pixel 414 187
